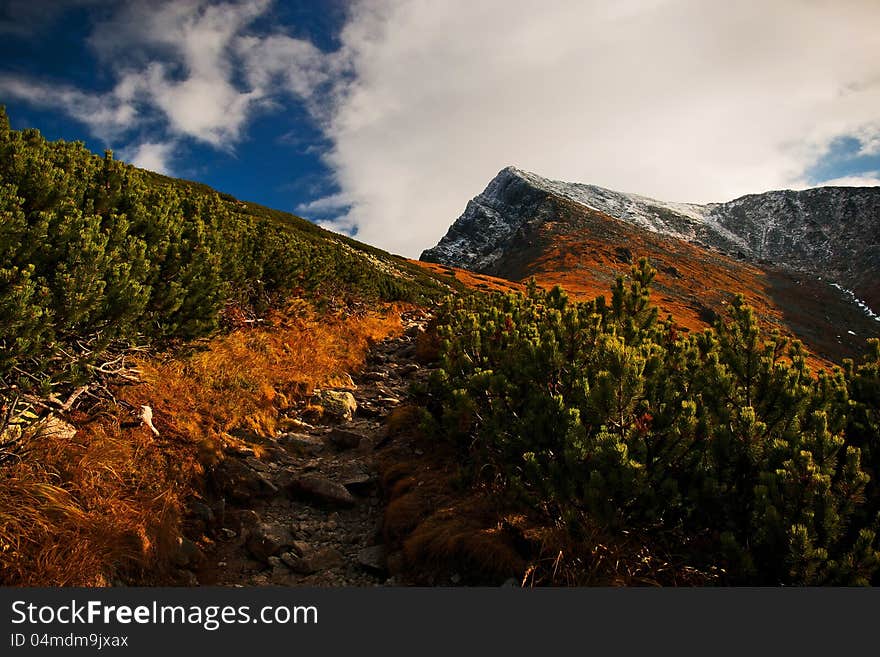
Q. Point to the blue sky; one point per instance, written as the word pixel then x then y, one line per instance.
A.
pixel 381 118
pixel 277 161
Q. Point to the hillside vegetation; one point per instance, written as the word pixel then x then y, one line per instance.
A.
pixel 94 251
pixel 721 451
pixel 121 288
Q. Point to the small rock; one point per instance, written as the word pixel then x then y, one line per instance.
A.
pixel 322 490
pixel 228 533
pixel 359 482
pixel 298 564
pixel 290 559
pixel 336 404
pixel 374 376
pixel 314 561
pixel 373 559
pixel 342 439
pixel 275 562
pixel 299 548
pixel 325 558
pixel 301 442
pixel 203 512
pixel 409 368
pixel 266 541
pixel 455 579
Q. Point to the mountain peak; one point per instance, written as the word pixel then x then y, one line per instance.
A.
pixel 831 232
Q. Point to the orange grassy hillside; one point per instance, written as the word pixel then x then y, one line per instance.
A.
pixel 584 250
pixel 84 508
pixel 471 279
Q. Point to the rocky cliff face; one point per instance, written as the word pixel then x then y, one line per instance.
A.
pixel 829 232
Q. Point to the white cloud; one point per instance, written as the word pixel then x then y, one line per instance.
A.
pixel 154 156
pixel 867 179
pixel 683 100
pixel 425 101
pixel 107 115
pixel 325 204
pixel 187 54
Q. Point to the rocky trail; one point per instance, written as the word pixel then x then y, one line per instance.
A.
pixel 305 508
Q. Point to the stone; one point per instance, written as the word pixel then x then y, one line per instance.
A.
pixel 359 482
pixel 297 564
pixel 324 559
pixel 337 404
pixel 290 559
pixel 323 490
pixel 343 439
pixel 275 562
pixel 373 559
pixel 203 512
pixel 240 483
pixel 266 541
pixel 313 561
pixel 299 548
pixel 301 443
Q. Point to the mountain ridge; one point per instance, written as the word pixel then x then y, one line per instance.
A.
pixel 833 232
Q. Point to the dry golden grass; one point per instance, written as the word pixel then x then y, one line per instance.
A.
pixel 79 510
pixel 109 501
pixel 242 380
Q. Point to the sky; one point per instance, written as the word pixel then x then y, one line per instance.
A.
pixel 382 118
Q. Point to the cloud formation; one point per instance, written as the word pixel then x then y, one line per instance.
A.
pixel 683 100
pixel 188 67
pixel 424 101
pixel 155 156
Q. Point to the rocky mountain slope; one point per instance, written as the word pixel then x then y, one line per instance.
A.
pixel 807 260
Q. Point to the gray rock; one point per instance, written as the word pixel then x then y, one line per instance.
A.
pixel 300 548
pixel 266 541
pixel 203 512
pixel 373 559
pixel 325 558
pixel 301 443
pixel 337 405
pixel 313 561
pixel 359 482
pixel 239 482
pixel 343 439
pixel 319 489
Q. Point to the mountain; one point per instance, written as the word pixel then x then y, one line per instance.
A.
pixel 807 260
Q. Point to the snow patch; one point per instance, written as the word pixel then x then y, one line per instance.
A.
pixel 861 304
